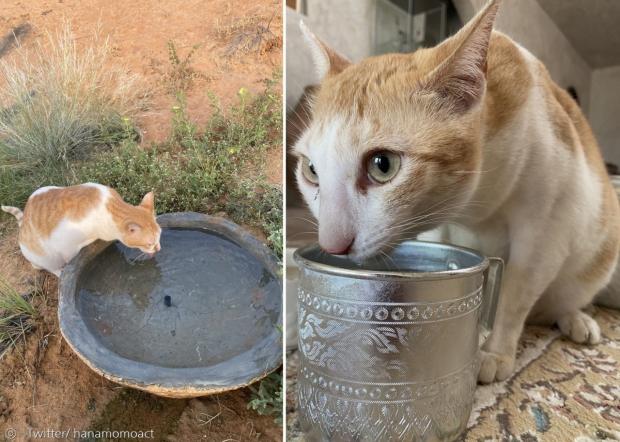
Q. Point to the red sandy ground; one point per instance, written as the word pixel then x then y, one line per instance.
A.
pixel 42 383
pixel 139 31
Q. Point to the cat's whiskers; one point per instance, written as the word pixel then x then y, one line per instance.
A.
pixel 410 228
pixel 426 218
pixel 300 234
pixel 300 129
pixel 138 257
pixel 305 119
pixel 387 258
pixel 313 225
pixel 480 172
pixel 308 220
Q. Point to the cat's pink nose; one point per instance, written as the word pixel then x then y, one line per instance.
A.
pixel 339 249
pixel 157 248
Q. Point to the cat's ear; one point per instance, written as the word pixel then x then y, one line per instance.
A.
pixel 461 77
pixel 326 60
pixel 148 202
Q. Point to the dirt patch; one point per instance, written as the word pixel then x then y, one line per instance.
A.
pixel 249 34
pixel 140 32
pixel 42 381
pixel 13 267
pixel 43 384
pixel 148 413
pixel 224 417
pixel 13 37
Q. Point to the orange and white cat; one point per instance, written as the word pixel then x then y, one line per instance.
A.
pixel 58 221
pixel 473 131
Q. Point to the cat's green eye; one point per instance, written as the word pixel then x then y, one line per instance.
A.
pixel 383 166
pixel 308 171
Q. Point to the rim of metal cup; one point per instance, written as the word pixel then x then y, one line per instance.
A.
pixel 303 261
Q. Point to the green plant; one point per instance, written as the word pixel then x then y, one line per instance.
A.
pixel 16 316
pixel 267 398
pixel 216 170
pixel 255 123
pixel 58 103
pixel 181 74
pixel 259 203
pixel 181 181
pixel 184 131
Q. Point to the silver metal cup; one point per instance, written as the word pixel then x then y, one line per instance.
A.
pixel 389 351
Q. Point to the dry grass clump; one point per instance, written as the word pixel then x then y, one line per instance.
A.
pixel 57 103
pixel 16 317
pixel 247 34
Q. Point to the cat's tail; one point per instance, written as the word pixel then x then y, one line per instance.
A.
pixel 17 213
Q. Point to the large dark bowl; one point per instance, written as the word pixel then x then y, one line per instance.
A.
pixel 203 316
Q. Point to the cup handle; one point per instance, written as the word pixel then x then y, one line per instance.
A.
pixel 490 299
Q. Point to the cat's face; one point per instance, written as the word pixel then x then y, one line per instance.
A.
pixel 140 229
pixel 375 179
pixel 393 149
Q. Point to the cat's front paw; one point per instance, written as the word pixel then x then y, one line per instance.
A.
pixel 495 367
pixel 580 328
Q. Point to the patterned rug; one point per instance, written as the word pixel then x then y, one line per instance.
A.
pixel 560 391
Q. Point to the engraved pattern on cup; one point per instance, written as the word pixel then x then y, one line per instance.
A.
pixel 362 375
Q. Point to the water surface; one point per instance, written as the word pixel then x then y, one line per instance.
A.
pixel 222 300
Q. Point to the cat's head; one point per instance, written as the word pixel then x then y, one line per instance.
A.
pixel 139 227
pixel 394 143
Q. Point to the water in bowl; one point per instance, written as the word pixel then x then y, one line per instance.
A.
pixel 201 300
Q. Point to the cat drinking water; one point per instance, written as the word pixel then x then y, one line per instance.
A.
pixel 473 131
pixel 58 222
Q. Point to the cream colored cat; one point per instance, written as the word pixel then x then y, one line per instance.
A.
pixel 472 131
pixel 58 221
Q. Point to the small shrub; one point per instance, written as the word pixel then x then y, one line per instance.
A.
pixel 58 103
pixel 184 131
pixel 246 34
pixel 181 74
pixel 217 170
pixel 181 181
pixel 260 203
pixel 255 123
pixel 267 398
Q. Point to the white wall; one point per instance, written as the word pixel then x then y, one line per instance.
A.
pixel 530 26
pixel 298 64
pixel 345 25
pixel 605 111
pixel 348 26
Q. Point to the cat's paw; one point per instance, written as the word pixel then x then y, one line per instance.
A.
pixel 580 328
pixel 495 367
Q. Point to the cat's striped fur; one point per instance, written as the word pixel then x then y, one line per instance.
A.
pixel 58 221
